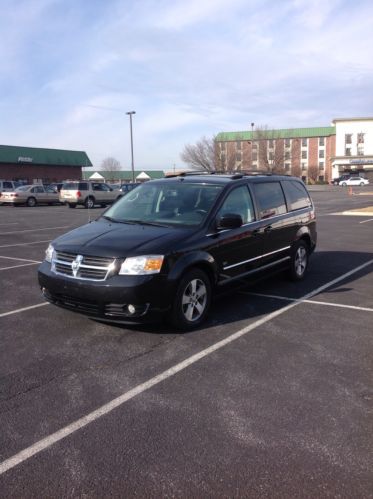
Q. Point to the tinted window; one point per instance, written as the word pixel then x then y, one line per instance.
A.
pixel 75 186
pixel 296 195
pixel 7 185
pixel 270 199
pixel 239 202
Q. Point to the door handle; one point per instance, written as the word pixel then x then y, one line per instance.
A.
pixel 268 228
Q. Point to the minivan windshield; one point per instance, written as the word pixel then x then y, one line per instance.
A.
pixel 165 203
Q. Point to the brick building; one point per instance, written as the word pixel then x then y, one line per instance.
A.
pixel 315 154
pixel 31 164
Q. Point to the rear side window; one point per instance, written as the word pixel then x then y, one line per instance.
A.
pixel 296 195
pixel 75 186
pixel 270 199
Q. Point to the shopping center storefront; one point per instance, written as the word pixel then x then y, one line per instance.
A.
pixel 31 164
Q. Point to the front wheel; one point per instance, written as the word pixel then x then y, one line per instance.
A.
pixel 362 183
pixel 299 260
pixel 192 300
pixel 344 184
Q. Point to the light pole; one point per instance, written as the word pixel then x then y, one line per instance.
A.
pixel 130 113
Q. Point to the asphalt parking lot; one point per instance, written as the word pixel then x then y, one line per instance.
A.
pixel 272 398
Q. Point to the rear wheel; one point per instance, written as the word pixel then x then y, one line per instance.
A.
pixel 89 203
pixel 361 183
pixel 192 300
pixel 344 184
pixel 299 260
pixel 31 202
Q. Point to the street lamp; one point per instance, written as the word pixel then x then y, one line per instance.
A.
pixel 130 113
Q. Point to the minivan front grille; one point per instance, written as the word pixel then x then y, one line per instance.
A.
pixel 92 268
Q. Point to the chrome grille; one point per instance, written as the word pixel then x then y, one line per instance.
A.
pixel 92 268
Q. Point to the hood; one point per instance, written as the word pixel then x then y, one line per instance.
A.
pixel 105 238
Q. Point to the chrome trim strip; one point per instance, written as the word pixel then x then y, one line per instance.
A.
pixel 255 258
pixel 253 271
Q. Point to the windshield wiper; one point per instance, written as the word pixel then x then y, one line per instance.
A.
pixel 145 222
pixel 109 218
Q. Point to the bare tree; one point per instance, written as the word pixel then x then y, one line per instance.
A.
pixel 313 172
pixel 271 151
pixel 200 155
pixel 110 164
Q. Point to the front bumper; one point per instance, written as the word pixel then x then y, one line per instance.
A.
pixel 122 299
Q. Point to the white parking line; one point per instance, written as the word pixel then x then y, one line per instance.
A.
pixel 315 302
pixel 25 244
pixel 20 259
pixel 365 221
pixel 34 230
pixel 105 409
pixel 16 266
pixel 4 314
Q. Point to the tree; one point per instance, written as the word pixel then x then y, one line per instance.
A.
pixel 110 165
pixel 271 151
pixel 313 173
pixel 200 155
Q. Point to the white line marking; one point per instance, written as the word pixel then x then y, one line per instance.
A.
pixel 20 259
pixel 16 266
pixel 315 302
pixel 365 221
pixel 25 244
pixel 11 223
pixel 23 309
pixel 105 409
pixel 34 230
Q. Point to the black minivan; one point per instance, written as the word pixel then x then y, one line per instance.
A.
pixel 168 245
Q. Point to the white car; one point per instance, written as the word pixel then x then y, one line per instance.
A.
pixel 354 181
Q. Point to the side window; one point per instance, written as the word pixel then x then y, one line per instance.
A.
pixel 296 195
pixel 239 202
pixel 7 185
pixel 105 187
pixel 270 199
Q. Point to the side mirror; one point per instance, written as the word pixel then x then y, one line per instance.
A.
pixel 229 221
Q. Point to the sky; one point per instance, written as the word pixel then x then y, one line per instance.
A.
pixel 71 69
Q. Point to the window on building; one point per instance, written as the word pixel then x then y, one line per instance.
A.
pixel 238 156
pixel 239 145
pixel 287 142
pixel 321 165
pixel 360 149
pixel 321 153
pixel 271 156
pixel 255 145
pixel 287 166
pixel 271 143
pixel 254 156
pixel 304 154
pixel 321 178
pixel 287 155
pixel 348 138
pixel 304 142
pixel 304 166
pixel 347 151
pixel 222 146
pixel 321 141
pixel 360 138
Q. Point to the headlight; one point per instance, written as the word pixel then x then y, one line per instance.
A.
pixel 49 253
pixel 140 265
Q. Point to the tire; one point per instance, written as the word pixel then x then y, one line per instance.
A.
pixel 89 203
pixel 71 205
pixel 344 184
pixel 31 202
pixel 299 259
pixel 192 300
pixel 362 183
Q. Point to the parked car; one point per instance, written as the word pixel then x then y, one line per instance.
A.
pixel 87 194
pixel 126 188
pixel 7 186
pixel 341 178
pixel 30 195
pixel 166 247
pixel 354 180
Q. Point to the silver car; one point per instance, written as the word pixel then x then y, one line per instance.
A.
pixel 30 195
pixel 87 194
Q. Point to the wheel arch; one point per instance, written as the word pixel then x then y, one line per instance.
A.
pixel 200 260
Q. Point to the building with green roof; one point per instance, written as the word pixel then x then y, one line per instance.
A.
pixel 34 164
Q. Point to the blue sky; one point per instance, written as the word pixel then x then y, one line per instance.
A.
pixel 70 69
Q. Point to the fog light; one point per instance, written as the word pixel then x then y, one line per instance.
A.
pixel 131 309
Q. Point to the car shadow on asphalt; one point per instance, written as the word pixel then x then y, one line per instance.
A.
pixel 237 302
